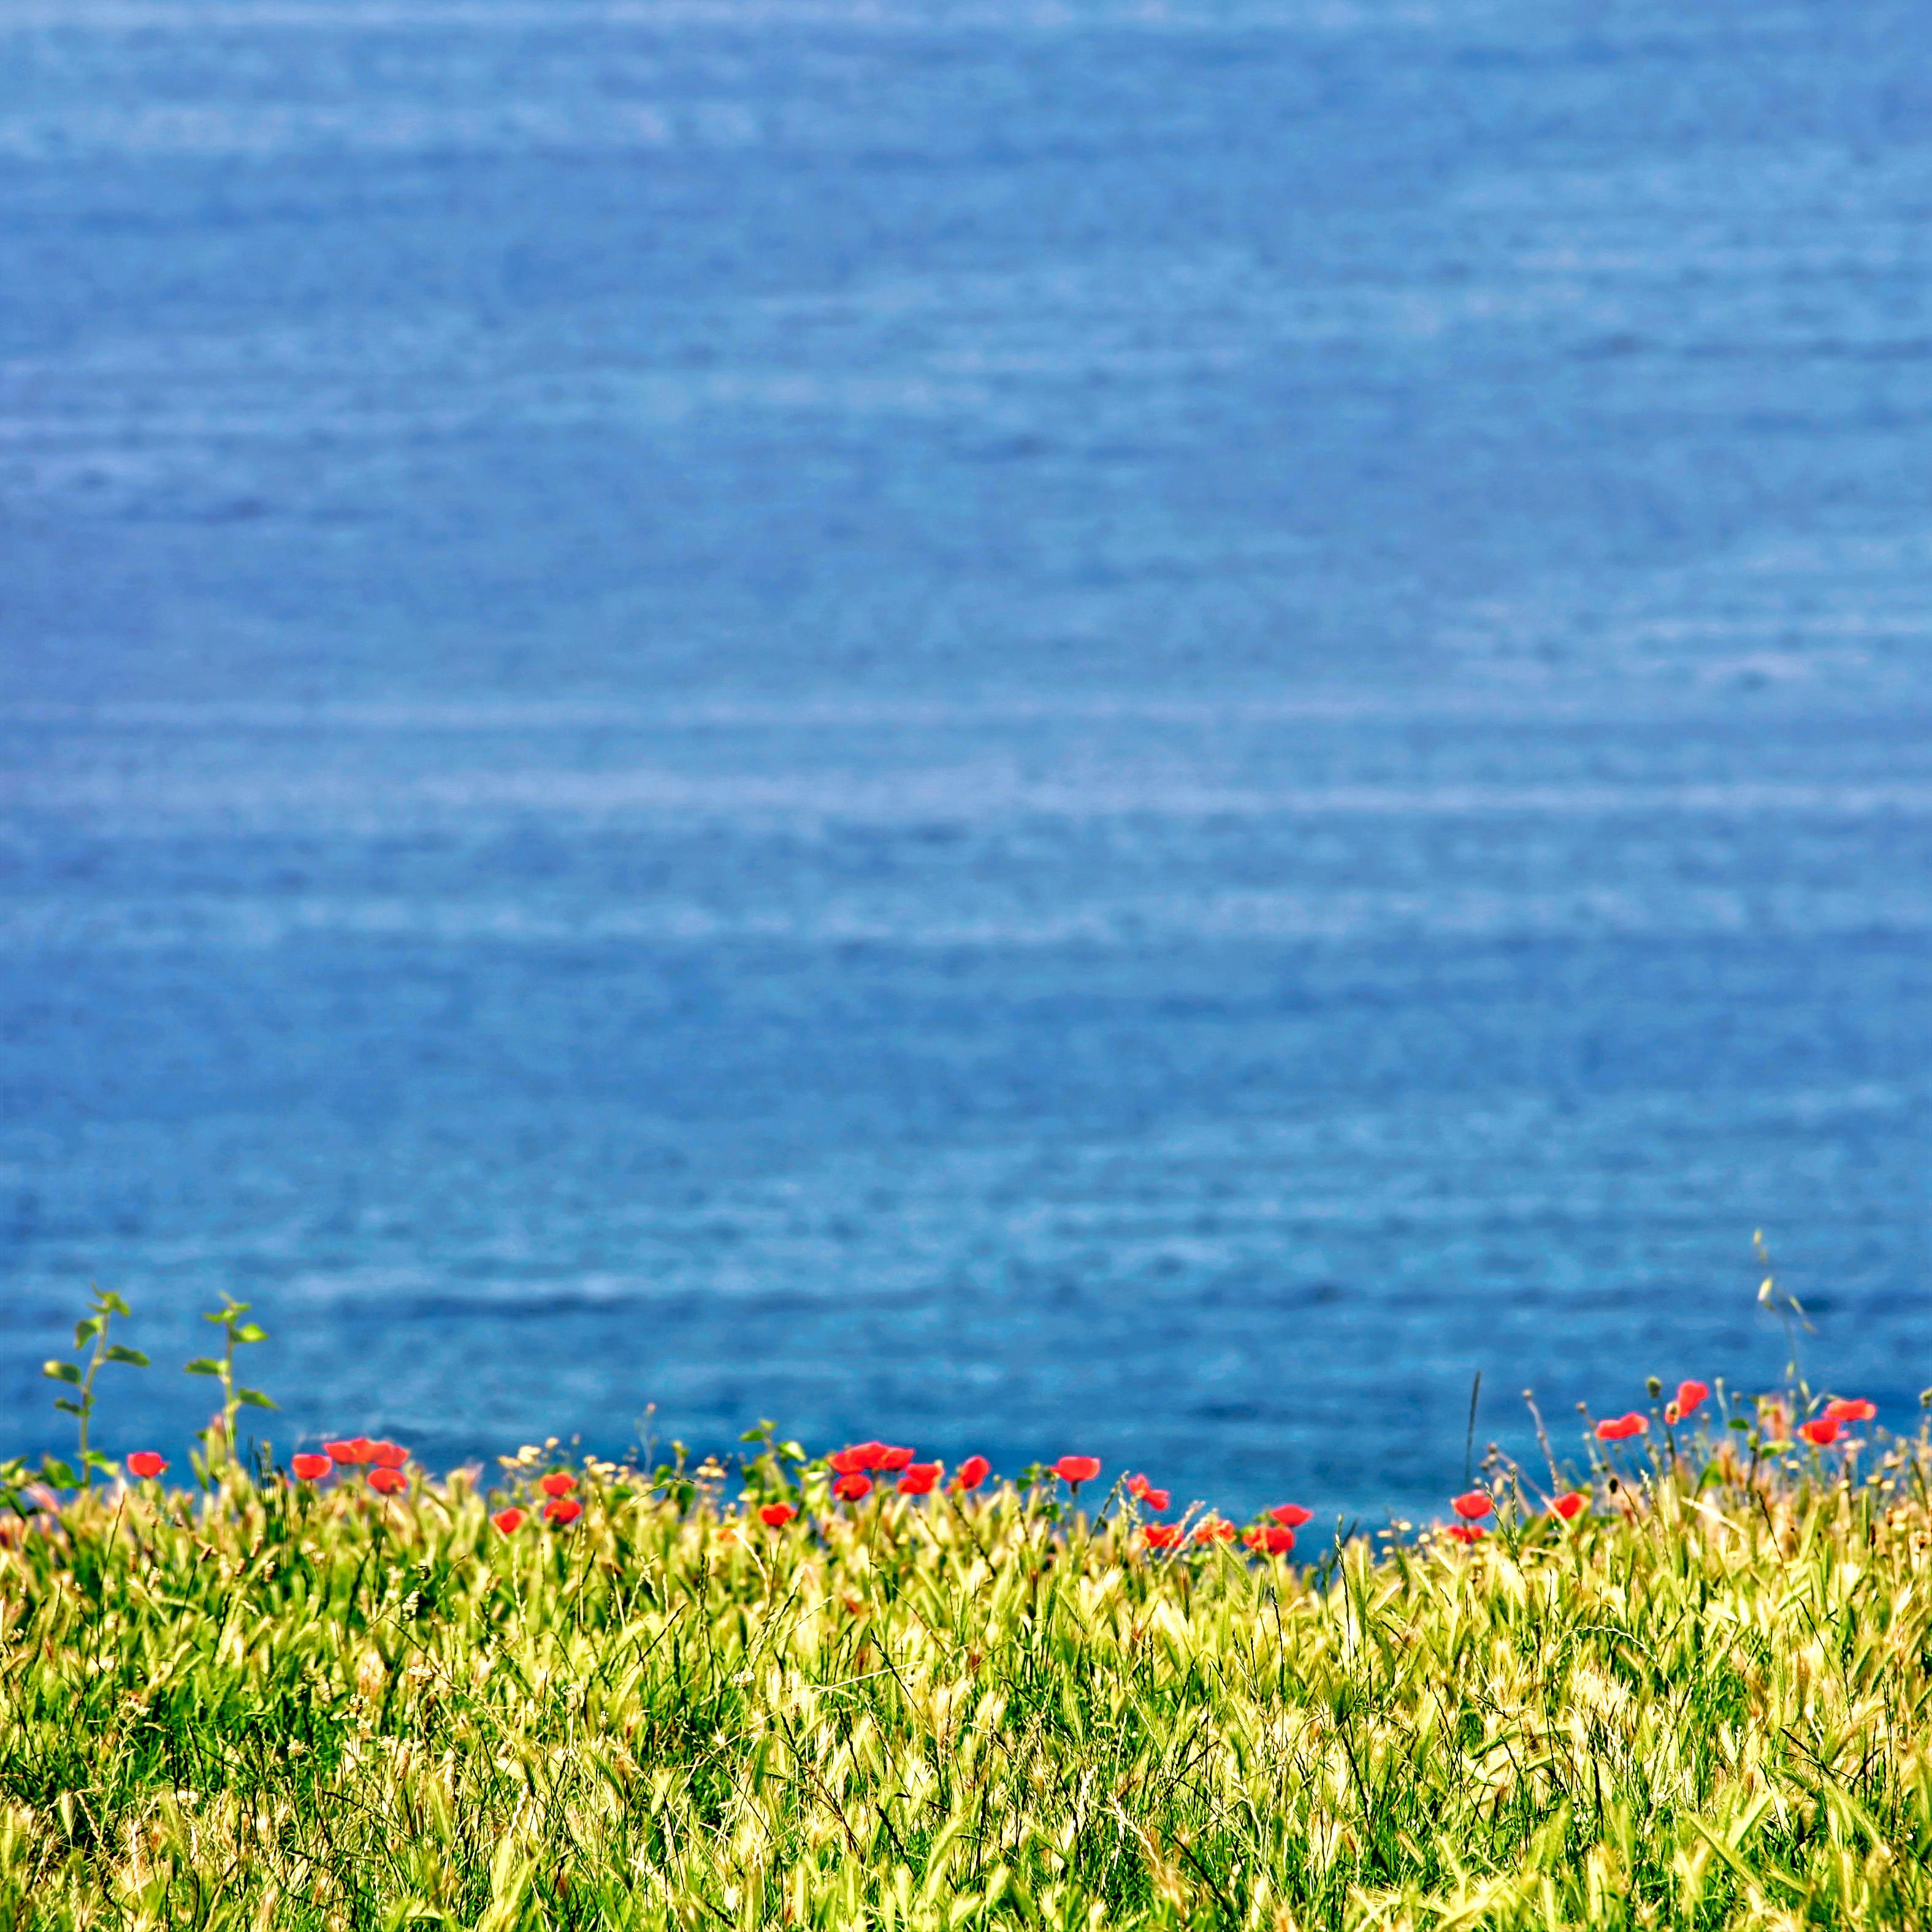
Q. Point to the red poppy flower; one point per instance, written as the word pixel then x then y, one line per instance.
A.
pixel 310 1469
pixel 1290 1516
pixel 893 1460
pixel 1214 1529
pixel 1620 1428
pixel 1820 1430
pixel 562 1511
pixel 1272 1538
pixel 1077 1469
pixel 1689 1395
pixel 387 1455
pixel 850 1488
pixel 1471 1506
pixel 919 1479
pixel 861 1457
pixel 509 1521
pixel 1855 1410
pixel 145 1463
pixel 1567 1506
pixel 1464 1532
pixel 1161 1535
pixel 387 1482
pixel 558 1483
pixel 342 1452
pixel 364 1449
pixel 776 1516
pixel 971 1473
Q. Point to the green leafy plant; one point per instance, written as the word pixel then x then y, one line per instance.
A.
pixel 78 1376
pixel 237 1332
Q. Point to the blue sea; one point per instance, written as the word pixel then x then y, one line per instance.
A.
pixel 1142 729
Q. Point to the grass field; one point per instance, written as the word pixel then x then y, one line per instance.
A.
pixel 263 1702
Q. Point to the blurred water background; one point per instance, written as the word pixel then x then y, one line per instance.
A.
pixel 1130 728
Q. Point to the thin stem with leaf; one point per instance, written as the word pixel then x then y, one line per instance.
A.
pixel 92 1327
pixel 237 1332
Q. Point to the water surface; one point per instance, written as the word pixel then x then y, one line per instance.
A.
pixel 1139 729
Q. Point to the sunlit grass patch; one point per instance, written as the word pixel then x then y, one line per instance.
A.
pixel 599 1697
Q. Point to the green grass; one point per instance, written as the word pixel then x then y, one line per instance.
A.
pixel 1703 1703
